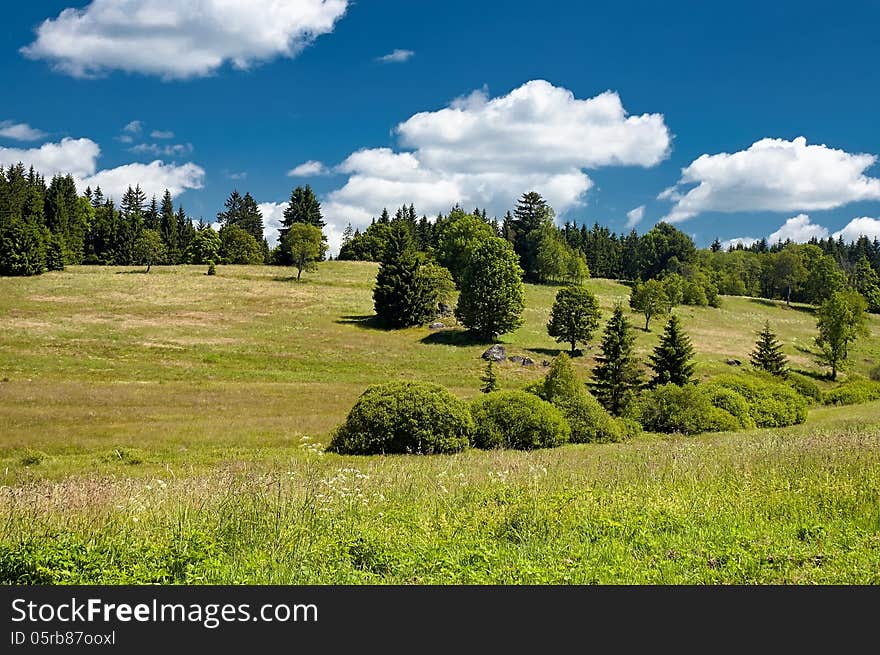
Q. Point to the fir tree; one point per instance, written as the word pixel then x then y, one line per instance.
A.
pixel 489 379
pixel 401 297
pixel 768 354
pixel 168 228
pixel 617 375
pixel 671 360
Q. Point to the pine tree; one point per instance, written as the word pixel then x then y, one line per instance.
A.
pixel 768 354
pixel 671 360
pixel 489 379
pixel 401 297
pixel 617 374
pixel 168 228
pixel 532 212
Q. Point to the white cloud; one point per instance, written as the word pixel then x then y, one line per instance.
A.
pixel 75 156
pixel 308 169
pixel 745 241
pixel 153 178
pixel 237 176
pixel 125 138
pixel 869 227
pixel 20 131
pixel 397 56
pixel 178 40
pixel 169 150
pixel 635 216
pixel 487 152
pixel 134 127
pixel 772 175
pixel 162 134
pixel 798 229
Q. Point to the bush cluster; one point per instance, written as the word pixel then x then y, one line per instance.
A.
pixel 687 410
pixel 517 419
pixel 805 386
pixel 404 417
pixel 853 392
pixel 772 403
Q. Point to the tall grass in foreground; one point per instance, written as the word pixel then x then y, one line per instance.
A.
pixel 800 505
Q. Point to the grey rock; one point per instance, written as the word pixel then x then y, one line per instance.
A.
pixel 527 361
pixel 734 362
pixel 545 363
pixel 437 326
pixel 516 359
pixel 496 353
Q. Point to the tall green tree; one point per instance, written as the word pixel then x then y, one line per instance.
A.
pixel 648 298
pixel 243 212
pixel 768 355
pixel 531 213
pixel 492 295
pixel 401 296
pixel 204 247
pixel 574 316
pixel 788 271
pixel 168 229
pixel 841 320
pixel 671 360
pixel 617 374
pixel 457 237
pixel 866 281
pixel 238 246
pixel 303 207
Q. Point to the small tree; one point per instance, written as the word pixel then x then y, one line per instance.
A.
pixel 574 316
pixel 205 247
pixel 768 354
pixel 649 299
pixel 841 319
pixel 673 288
pixel 617 374
pixel 237 246
pixel 492 294
pixel 671 360
pixel 489 379
pixel 306 247
pixel 149 249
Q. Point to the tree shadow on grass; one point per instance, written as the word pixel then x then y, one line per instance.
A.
pixel 551 352
pixel 822 376
pixel 138 272
pixel 780 304
pixel 365 322
pixel 284 278
pixel 456 338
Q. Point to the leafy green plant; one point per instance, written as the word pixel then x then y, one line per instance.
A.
pixel 853 392
pixel 404 417
pixel 516 419
pixel 32 457
pixel 805 386
pixel 772 403
pixel 685 409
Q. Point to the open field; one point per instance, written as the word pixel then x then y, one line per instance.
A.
pixel 180 420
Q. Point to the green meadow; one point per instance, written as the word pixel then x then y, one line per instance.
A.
pixel 170 427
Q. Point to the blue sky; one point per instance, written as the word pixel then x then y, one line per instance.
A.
pixel 221 97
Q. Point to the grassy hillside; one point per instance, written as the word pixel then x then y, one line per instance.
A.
pixel 170 427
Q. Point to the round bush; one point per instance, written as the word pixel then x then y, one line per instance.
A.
pixel 853 392
pixel 516 419
pixel 404 417
pixel 687 409
pixel 874 373
pixel 731 402
pixel 772 403
pixel 804 386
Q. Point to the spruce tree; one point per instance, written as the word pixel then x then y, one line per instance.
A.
pixel 168 229
pixel 671 360
pixel 401 297
pixel 489 379
pixel 616 376
pixel 768 354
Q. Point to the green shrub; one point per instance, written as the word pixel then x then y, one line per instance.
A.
pixel 516 419
pixel 772 403
pixel 32 457
pixel 854 392
pixel 874 373
pixel 212 268
pixel 687 409
pixel 125 455
pixel 805 386
pixel 404 417
pixel 731 402
pixel 589 421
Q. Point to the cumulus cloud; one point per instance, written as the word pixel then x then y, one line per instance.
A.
pixel 20 131
pixel 745 241
pixel 773 175
pixel 397 56
pixel 307 169
pixel 488 151
pixel 153 178
pixel 162 134
pixel 134 127
pixel 857 227
pixel 79 158
pixel 798 229
pixel 75 156
pixel 178 40
pixel 635 216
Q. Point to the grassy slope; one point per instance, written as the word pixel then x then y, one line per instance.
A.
pixel 224 384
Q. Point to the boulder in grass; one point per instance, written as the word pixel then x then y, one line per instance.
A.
pixel 437 326
pixel 495 354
